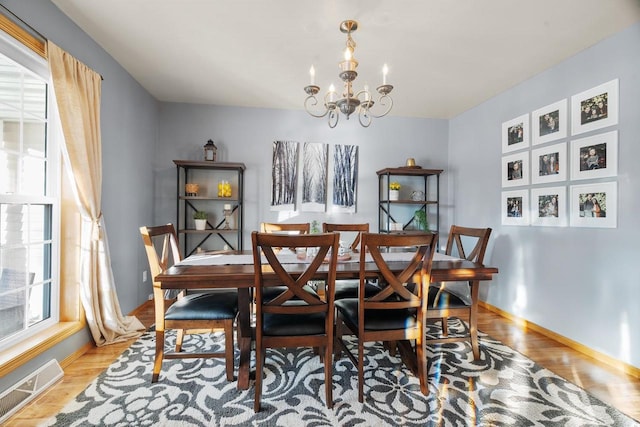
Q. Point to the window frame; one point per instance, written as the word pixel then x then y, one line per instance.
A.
pixel 66 300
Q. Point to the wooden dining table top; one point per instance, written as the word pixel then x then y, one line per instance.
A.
pixel 242 275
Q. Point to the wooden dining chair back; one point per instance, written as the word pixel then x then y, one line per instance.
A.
pixel 297 317
pixel 348 288
pixel 292 228
pixel 397 312
pixel 355 230
pixel 449 299
pixel 195 312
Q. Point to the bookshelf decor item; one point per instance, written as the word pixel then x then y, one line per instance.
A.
pixel 210 151
pixel 191 189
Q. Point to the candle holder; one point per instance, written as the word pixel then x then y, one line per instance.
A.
pixel 227 216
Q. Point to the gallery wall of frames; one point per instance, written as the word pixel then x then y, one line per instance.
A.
pixel 551 177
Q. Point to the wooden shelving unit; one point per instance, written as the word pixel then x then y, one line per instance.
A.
pixel 399 211
pixel 207 174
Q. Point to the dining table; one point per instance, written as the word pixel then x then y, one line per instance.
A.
pixel 235 269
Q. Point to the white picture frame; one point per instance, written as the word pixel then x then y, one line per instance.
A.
pixel 549 163
pixel 595 156
pixel 515 169
pixel 549 123
pixel 515 134
pixel 549 206
pixel 515 207
pixel 605 193
pixel 602 105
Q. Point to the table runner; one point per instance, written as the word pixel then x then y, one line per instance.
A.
pixel 288 257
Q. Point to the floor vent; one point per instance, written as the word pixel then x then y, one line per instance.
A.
pixel 29 388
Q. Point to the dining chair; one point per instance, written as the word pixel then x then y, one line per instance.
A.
pixel 296 317
pixel 272 227
pixel 398 311
pixel 346 288
pixel 189 312
pixel 448 299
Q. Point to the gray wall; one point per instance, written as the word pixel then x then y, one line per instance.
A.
pixel 246 135
pixel 129 120
pixel 578 282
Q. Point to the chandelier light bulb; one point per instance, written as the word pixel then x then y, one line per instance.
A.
pixel 385 71
pixel 312 75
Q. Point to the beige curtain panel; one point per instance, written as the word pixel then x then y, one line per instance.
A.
pixel 77 92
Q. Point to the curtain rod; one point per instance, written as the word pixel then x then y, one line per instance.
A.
pixel 29 30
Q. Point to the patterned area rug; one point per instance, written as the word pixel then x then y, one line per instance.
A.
pixel 503 388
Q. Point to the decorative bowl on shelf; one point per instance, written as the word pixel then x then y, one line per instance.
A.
pixel 417 196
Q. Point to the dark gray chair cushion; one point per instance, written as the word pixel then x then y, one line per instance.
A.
pixel 204 306
pixel 445 299
pixel 376 320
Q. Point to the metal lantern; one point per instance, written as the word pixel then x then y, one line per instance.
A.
pixel 210 151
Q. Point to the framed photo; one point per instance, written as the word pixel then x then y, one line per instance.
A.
pixel 515 169
pixel 515 207
pixel 549 206
pixel 549 164
pixel 594 205
pixel 595 108
pixel 515 134
pixel 549 123
pixel 595 156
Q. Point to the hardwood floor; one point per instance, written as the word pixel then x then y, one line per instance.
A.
pixel 608 384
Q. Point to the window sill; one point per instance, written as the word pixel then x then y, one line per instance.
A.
pixel 26 350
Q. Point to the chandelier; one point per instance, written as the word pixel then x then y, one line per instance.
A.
pixel 362 102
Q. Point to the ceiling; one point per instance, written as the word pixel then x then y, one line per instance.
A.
pixel 444 57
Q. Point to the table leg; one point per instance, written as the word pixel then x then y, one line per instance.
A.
pixel 473 318
pixel 244 338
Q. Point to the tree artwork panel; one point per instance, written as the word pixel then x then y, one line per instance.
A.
pixel 345 176
pixel 315 157
pixel 284 174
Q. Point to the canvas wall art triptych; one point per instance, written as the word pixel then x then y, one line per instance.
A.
pixel 539 158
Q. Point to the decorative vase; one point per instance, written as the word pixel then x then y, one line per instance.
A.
pixel 191 189
pixel 394 194
pixel 201 224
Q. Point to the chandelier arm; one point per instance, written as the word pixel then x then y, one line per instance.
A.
pixel 364 117
pixel 334 116
pixel 383 103
pixel 312 101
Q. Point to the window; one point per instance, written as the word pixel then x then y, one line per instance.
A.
pixel 29 286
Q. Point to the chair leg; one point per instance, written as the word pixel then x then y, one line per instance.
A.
pixel 421 359
pixel 360 369
pixel 157 364
pixel 445 326
pixel 338 339
pixel 179 339
pixel 258 382
pixel 328 373
pixel 228 348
